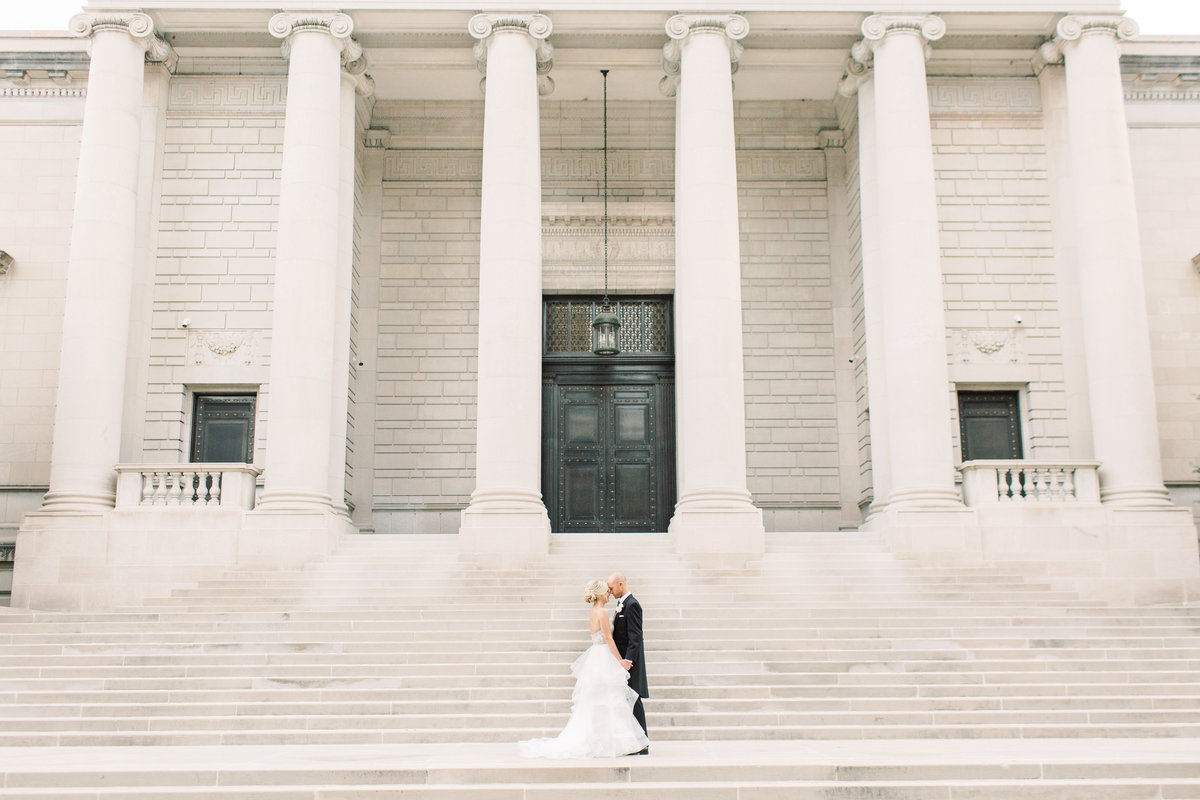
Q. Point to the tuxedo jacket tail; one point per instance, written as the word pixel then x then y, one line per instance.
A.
pixel 627 636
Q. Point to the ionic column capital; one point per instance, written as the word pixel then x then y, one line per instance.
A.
pixel 286 24
pixel 858 69
pixel 536 26
pixel 733 27
pixel 1074 27
pixel 137 25
pixel 877 28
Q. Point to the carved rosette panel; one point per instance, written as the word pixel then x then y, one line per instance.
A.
pixel 224 348
pixel 989 346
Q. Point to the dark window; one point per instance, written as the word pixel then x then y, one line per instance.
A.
pixel 645 325
pixel 223 428
pixel 989 425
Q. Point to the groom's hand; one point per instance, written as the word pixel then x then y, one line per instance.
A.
pixel 627 664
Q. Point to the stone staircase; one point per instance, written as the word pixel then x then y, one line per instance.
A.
pixel 829 669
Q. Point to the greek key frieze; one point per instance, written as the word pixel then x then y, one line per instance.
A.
pixel 948 96
pixel 228 96
pixel 586 165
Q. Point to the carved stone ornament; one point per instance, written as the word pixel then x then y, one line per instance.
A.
pixel 222 347
pixel 679 27
pixel 135 23
pixel 988 346
pixel 1074 27
pixel 877 27
pixel 538 26
pixel 284 24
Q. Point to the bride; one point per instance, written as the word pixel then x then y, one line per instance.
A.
pixel 602 722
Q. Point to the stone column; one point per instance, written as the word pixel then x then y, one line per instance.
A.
pixel 714 515
pixel 1116 330
pixel 91 380
pixel 306 265
pixel 355 83
pixel 921 468
pixel 506 518
pixel 858 82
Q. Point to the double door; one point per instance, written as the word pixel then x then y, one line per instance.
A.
pixel 608 457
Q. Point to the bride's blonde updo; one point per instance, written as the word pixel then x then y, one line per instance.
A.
pixel 594 591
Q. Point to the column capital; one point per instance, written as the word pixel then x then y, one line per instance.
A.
pixel 877 28
pixel 536 26
pixel 733 27
pixel 858 69
pixel 1074 27
pixel 288 23
pixel 139 26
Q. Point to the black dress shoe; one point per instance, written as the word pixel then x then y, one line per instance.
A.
pixel 645 751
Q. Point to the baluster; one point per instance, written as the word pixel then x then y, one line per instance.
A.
pixel 1068 484
pixel 176 494
pixel 1041 484
pixel 1025 481
pixel 1005 485
pixel 160 488
pixel 147 488
pixel 214 492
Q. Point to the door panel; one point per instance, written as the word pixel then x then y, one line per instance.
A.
pixel 605 452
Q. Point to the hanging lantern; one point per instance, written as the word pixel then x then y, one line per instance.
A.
pixel 604 331
pixel 605 327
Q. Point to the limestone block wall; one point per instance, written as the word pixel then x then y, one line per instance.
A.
pixel 222 154
pixel 997 251
pixel 1165 143
pixel 37 187
pixel 791 402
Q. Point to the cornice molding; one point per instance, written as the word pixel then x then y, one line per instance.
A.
pixel 137 25
pixel 733 27
pixel 536 26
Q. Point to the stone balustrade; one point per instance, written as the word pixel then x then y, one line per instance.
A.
pixel 195 485
pixel 989 483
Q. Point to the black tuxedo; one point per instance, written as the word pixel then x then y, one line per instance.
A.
pixel 627 636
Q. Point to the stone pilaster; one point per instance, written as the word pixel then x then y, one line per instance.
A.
pixel 1111 286
pixel 506 518
pixel 91 382
pixel 714 516
pixel 920 468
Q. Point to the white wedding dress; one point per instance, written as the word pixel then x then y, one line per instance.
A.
pixel 602 722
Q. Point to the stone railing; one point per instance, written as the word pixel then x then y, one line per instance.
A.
pixel 188 485
pixel 987 483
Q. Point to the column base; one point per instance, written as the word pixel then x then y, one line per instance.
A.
pixel 720 530
pixel 505 529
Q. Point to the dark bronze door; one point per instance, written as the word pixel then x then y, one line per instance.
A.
pixel 608 454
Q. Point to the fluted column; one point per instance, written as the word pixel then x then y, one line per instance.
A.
pixel 714 513
pixel 1116 330
pixel 506 516
pixel 921 468
pixel 306 264
pixel 355 83
pixel 858 82
pixel 91 380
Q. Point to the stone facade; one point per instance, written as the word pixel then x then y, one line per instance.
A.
pixel 211 187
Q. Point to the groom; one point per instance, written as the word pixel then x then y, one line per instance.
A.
pixel 627 636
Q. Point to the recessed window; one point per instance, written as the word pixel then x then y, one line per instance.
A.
pixel 989 425
pixel 223 428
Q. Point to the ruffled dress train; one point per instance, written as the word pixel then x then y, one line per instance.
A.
pixel 602 722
